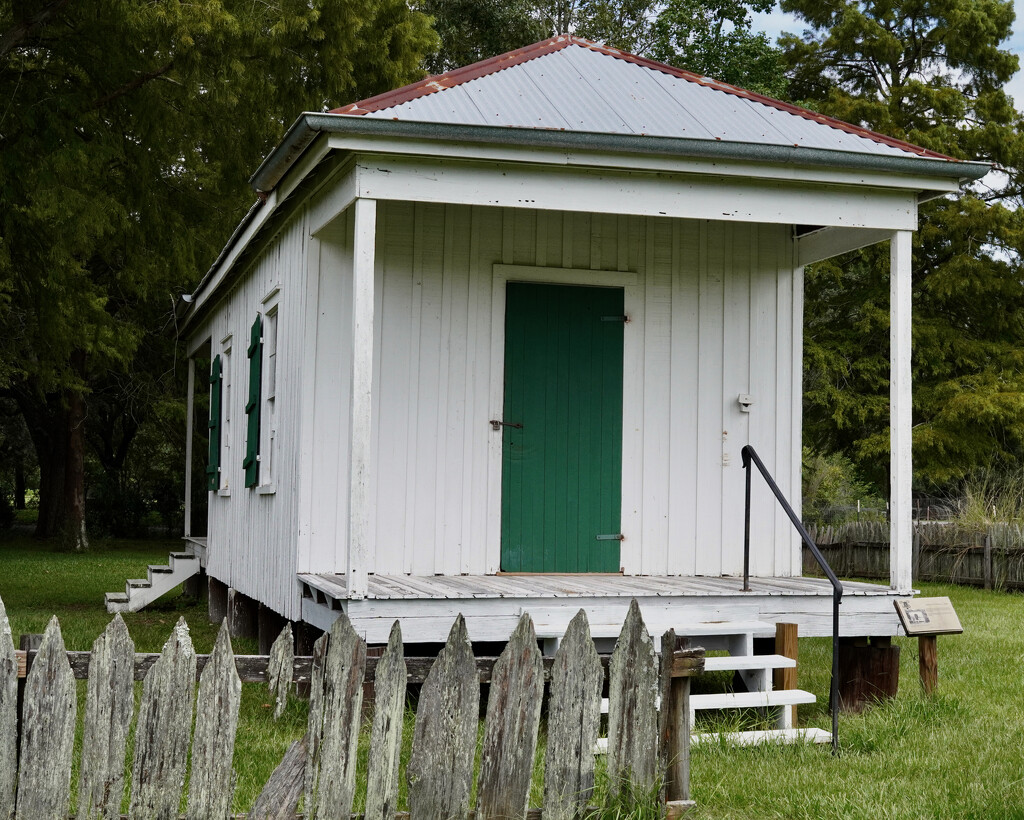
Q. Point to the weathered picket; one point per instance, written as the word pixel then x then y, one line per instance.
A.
pixel 279 672
pixel 574 721
pixel 386 732
pixel 643 747
pixel 633 710
pixel 212 786
pixel 510 730
pixel 109 704
pixel 444 741
pixel 8 717
pixel 48 732
pixel 163 729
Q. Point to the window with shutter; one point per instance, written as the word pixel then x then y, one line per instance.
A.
pixel 213 461
pixel 251 463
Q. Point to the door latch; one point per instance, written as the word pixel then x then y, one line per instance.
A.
pixel 497 425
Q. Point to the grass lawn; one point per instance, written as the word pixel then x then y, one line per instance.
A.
pixel 959 754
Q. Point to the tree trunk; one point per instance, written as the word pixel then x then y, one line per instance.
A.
pixel 19 484
pixel 56 424
pixel 73 534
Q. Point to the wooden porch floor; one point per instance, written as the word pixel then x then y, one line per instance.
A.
pixel 492 604
pixel 413 587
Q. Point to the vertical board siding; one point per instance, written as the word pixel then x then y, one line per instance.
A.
pixel 714 321
pixel 252 535
pixel 714 318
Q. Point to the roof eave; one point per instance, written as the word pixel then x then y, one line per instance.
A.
pixel 309 125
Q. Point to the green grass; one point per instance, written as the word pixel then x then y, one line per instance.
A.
pixel 958 754
pixel 37 582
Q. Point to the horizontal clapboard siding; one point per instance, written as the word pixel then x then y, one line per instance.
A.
pixel 715 318
pixel 252 531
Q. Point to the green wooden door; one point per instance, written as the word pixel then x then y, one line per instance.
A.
pixel 562 470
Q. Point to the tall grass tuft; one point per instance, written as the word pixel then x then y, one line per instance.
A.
pixel 990 497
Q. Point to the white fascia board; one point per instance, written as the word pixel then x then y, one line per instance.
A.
pixel 425 148
pixel 685 196
pixel 828 242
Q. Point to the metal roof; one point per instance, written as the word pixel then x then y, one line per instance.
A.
pixel 570 84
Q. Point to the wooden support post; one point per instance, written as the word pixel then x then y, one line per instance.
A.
pixel 677 728
pixel 196 587
pixel 243 615
pixel 868 672
pixel 928 654
pixel 305 636
pixel 900 418
pixel 217 605
pixel 786 645
pixel 360 516
pixel 268 626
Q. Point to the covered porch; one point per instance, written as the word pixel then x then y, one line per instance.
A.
pixel 492 604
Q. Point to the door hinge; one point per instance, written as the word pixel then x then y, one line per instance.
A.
pixel 616 537
pixel 622 319
pixel 497 425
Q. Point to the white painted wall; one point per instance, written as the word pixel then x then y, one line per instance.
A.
pixel 252 532
pixel 713 317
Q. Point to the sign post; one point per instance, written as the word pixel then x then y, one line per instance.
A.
pixel 928 618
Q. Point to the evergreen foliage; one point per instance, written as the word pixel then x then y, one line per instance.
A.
pixel 127 132
pixel 931 73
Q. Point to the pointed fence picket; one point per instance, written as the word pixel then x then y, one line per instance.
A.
pixel 643 747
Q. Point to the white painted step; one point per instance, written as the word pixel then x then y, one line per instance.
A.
pixel 747 700
pixel 740 700
pixel 747 662
pixel 161 579
pixel 749 738
pixel 757 737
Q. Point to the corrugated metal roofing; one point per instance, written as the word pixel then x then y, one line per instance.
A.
pixel 567 83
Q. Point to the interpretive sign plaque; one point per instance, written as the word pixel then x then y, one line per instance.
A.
pixel 928 616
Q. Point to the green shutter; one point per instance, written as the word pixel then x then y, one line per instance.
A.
pixel 252 406
pixel 213 462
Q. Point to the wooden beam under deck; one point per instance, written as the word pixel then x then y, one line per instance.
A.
pixel 492 604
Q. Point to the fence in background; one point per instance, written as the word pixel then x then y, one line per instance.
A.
pixel 992 558
pixel 648 748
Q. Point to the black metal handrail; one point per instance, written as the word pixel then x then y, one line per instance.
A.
pixel 749 455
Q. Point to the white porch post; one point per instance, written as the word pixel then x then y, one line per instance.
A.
pixel 360 518
pixel 189 412
pixel 900 418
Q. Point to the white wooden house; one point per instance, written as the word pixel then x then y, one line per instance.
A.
pixel 604 250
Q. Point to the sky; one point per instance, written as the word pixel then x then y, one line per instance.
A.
pixel 775 23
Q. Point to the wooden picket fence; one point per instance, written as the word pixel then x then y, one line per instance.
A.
pixel 648 748
pixel 991 557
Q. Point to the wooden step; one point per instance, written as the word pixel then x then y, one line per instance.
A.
pixel 748 738
pixel 746 700
pixel 755 738
pixel 745 662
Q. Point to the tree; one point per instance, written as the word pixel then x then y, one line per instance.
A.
pixel 931 73
pixel 715 38
pixel 127 131
pixel 712 37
